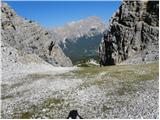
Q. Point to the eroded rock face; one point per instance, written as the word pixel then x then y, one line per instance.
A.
pixel 132 29
pixel 27 36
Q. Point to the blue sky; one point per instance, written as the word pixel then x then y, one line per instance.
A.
pixel 52 13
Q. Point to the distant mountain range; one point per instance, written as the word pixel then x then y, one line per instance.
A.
pixel 80 39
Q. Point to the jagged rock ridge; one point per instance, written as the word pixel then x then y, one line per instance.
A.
pixel 133 30
pixel 76 29
pixel 27 36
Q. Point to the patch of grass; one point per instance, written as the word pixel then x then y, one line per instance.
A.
pixel 122 74
pixel 3 85
pixel 139 73
pixel 129 75
pixel 38 75
pixel 37 110
pixel 86 72
pixel 68 75
pixel 87 64
pixel 106 108
pixel 16 85
pixel 127 87
pixel 50 101
pixel 6 97
pixel 26 115
pixel 83 65
pixel 145 77
pixel 18 114
pixel 97 82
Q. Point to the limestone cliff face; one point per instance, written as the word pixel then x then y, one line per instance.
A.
pixel 133 29
pixel 27 36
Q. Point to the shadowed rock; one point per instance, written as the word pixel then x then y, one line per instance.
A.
pixel 132 29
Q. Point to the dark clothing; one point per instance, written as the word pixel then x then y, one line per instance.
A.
pixel 74 114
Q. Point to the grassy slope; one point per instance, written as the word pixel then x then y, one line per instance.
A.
pixel 122 72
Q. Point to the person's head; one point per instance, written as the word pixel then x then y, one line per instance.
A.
pixel 73 114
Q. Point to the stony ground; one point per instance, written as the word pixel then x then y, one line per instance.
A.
pixel 123 91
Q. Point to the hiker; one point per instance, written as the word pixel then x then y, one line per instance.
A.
pixel 73 114
pixel 50 47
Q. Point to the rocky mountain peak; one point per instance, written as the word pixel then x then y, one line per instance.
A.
pixel 29 37
pixel 133 28
pixel 76 29
pixel 80 39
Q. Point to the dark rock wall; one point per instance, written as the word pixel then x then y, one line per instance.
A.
pixel 133 28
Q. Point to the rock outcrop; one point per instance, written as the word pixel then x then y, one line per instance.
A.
pixel 133 30
pixel 13 59
pixel 27 36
